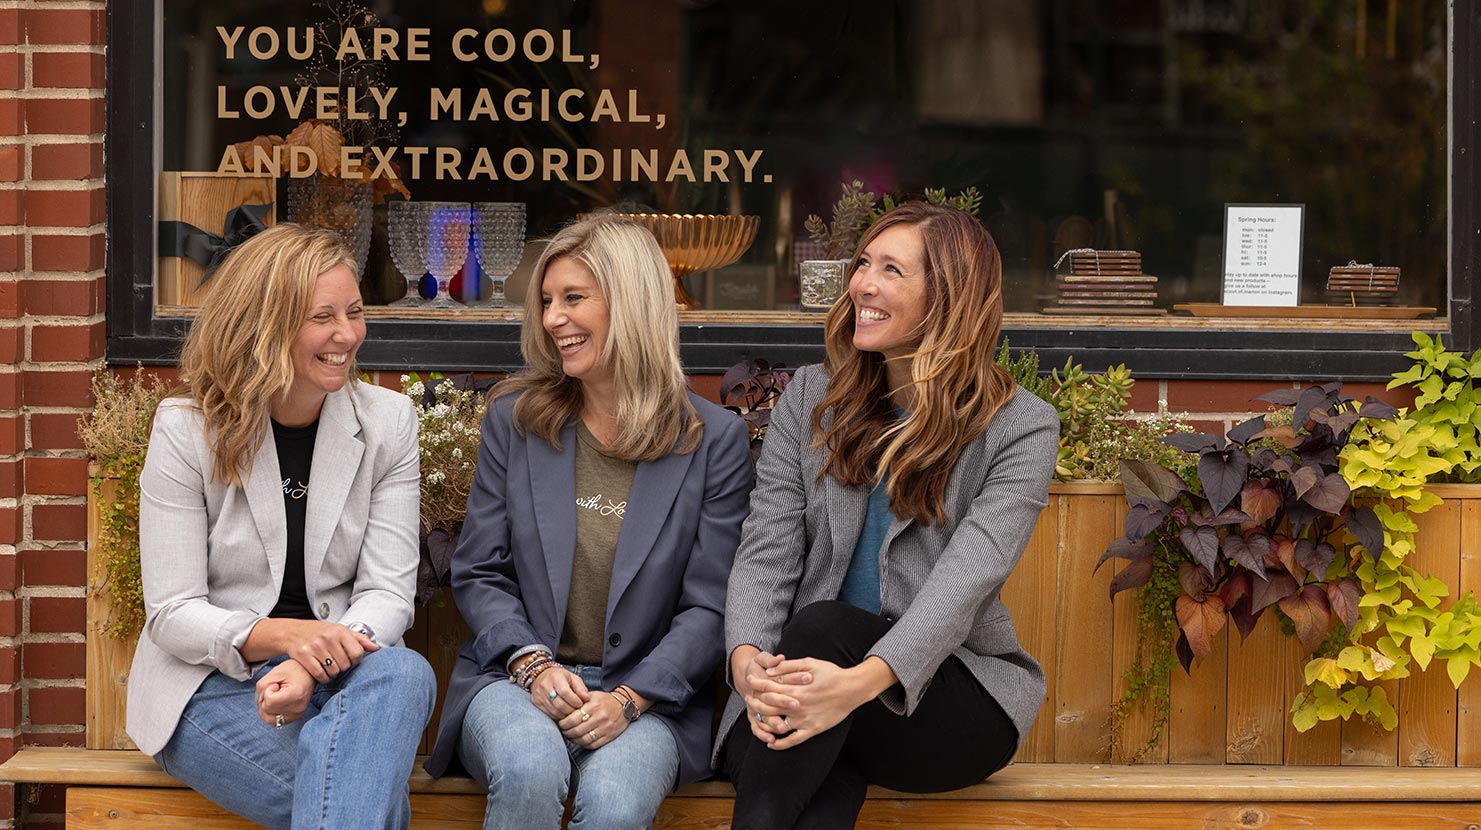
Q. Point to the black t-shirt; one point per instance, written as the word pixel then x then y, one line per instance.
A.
pixel 295 456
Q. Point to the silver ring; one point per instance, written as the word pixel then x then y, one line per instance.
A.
pixel 328 661
pixel 552 695
pixel 278 724
pixel 759 717
pixel 784 722
pixel 592 735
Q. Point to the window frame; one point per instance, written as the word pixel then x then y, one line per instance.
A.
pixel 136 335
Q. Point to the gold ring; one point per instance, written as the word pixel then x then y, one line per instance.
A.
pixel 592 735
pixel 585 716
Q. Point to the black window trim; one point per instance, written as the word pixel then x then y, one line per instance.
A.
pixel 135 335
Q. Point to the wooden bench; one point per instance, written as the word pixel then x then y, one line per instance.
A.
pixel 122 790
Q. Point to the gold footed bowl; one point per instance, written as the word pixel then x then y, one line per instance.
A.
pixel 693 242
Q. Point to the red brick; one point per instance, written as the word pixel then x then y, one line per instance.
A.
pixel 1401 396
pixel 12 116
pixel 59 522
pixel 12 344
pixel 53 739
pixel 64 208
pixel 10 27
pixel 68 253
pixel 58 615
pixel 66 388
pixel 10 665
pixel 52 26
pixel 1219 395
pixel 11 206
pixel 54 661
pixel 67 161
pixel 11 252
pixel 10 709
pixel 57 705
pixel 9 572
pixel 56 476
pixel 10 163
pixel 67 70
pixel 55 430
pixel 10 479
pixel 69 298
pixel 10 390
pixel 67 343
pixel 10 525
pixel 706 386
pixel 168 374
pixel 1206 427
pixel 53 567
pixel 10 70
pixel 10 619
pixel 64 116
pixel 12 435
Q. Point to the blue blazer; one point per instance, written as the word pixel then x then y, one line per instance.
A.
pixel 511 572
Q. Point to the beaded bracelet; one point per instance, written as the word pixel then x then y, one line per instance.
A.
pixel 534 670
pixel 518 676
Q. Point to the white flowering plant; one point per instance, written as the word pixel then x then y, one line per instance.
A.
pixel 449 411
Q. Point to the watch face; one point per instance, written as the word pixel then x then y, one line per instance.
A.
pixel 629 710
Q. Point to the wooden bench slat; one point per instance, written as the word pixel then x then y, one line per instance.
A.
pixel 101 808
pixel 1019 782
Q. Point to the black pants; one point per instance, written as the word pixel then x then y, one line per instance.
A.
pixel 956 737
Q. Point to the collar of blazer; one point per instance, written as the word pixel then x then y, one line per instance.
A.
pixel 337 452
pixel 553 482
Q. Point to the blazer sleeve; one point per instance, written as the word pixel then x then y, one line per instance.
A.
pixel 768 564
pixel 385 579
pixel 685 658
pixel 173 528
pixel 484 583
pixel 971 570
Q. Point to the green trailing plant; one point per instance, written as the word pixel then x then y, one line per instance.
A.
pixel 1148 678
pixel 116 436
pixel 1448 400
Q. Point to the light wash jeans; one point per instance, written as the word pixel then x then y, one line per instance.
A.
pixel 529 768
pixel 343 766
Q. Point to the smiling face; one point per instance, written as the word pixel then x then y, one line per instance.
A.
pixel 888 289
pixel 577 318
pixel 324 348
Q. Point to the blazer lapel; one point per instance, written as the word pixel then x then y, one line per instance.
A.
pixel 655 486
pixel 337 452
pixel 264 490
pixel 553 484
pixel 846 508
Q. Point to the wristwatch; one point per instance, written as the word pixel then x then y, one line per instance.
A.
pixel 630 711
pixel 363 629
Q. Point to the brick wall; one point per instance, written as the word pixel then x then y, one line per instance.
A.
pixel 51 338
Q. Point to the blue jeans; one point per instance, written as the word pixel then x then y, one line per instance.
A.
pixel 529 768
pixel 345 764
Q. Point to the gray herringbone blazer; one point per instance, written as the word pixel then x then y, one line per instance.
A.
pixel 213 555
pixel 939 583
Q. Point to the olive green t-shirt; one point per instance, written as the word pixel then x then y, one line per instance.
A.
pixel 602 487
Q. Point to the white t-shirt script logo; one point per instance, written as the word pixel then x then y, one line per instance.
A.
pixel 603 507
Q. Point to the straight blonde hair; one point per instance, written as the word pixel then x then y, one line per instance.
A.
pixel 237 358
pixel 958 385
pixel 653 406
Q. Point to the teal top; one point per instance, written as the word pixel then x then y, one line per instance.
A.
pixel 861 583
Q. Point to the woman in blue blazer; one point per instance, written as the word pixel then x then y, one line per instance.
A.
pixel 602 522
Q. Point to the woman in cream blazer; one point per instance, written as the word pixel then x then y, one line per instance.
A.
pixel 278 542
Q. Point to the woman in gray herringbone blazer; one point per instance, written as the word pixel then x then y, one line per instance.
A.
pixel 277 536
pixel 896 490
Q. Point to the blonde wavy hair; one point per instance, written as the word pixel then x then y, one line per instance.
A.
pixel 236 360
pixel 958 385
pixel 642 347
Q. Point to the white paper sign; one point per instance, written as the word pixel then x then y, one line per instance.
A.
pixel 1262 255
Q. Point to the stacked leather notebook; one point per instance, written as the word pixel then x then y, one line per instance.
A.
pixel 1105 282
pixel 1364 285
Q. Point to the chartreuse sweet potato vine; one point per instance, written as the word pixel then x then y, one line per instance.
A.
pixel 1399 618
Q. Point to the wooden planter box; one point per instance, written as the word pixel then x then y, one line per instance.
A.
pixel 1233 709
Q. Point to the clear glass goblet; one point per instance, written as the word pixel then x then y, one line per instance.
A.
pixel 408 236
pixel 447 247
pixel 500 242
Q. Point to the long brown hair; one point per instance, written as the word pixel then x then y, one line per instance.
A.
pixel 958 385
pixel 653 406
pixel 237 358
